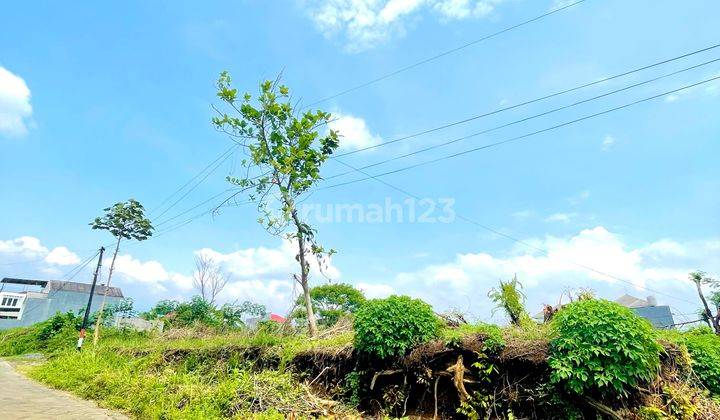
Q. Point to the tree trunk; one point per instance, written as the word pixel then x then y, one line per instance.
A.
pixel 96 333
pixel 304 268
pixel 708 314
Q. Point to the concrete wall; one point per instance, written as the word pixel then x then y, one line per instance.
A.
pixel 139 324
pixel 38 309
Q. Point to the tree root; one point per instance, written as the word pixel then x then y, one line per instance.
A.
pixel 602 408
pixel 459 378
pixel 382 373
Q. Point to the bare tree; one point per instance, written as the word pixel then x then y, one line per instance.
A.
pixel 208 278
pixel 700 279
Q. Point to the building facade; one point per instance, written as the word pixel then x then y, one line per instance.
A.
pixel 21 308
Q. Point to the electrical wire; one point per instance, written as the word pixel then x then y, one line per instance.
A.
pixel 182 187
pixel 524 136
pixel 415 152
pixel 531 101
pixel 443 54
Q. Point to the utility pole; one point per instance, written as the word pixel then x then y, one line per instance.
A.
pixel 92 292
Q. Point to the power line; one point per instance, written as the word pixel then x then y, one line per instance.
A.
pixel 415 152
pixel 527 135
pixel 226 156
pixel 193 207
pixel 67 278
pixel 531 101
pixel 443 54
pixel 516 240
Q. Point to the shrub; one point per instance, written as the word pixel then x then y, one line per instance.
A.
pixel 55 333
pixel 390 327
pixel 704 348
pixel 510 298
pixel 602 346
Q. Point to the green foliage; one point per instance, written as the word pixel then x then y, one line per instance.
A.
pixel 196 311
pixel 128 371
pixel 125 220
pixel 352 388
pixel 160 309
pixel 679 404
pixel 199 312
pixel 123 308
pixel 651 413
pixel 602 346
pixel 331 302
pixel 60 331
pixel 390 327
pixel 493 340
pixel 285 146
pixel 704 348
pixel 510 298
pixel 233 316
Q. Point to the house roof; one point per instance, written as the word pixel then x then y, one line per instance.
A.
pixel 631 301
pixel 277 318
pixel 66 286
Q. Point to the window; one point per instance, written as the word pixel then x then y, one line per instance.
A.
pixel 3 301
pixel 14 302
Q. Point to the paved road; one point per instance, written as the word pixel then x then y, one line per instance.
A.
pixel 23 398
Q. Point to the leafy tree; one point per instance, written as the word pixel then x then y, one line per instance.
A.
pixel 123 308
pixel 287 150
pixel 233 315
pixel 332 301
pixel 124 220
pixel 700 279
pixel 196 311
pixel 160 309
pixel 510 298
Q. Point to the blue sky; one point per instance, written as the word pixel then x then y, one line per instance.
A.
pixel 99 104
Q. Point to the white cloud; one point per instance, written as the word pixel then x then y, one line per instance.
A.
pixel 469 276
pixel 373 291
pixel 608 142
pixel 151 272
pixel 62 256
pixel 264 275
pixel 561 217
pixel 461 9
pixel 24 245
pixel 353 131
pixel 15 108
pixel 363 24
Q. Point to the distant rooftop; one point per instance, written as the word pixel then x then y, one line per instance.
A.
pixel 633 302
pixel 66 286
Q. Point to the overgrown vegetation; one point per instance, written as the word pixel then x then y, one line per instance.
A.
pixel 398 360
pixel 331 302
pixel 392 326
pixel 510 298
pixel 604 347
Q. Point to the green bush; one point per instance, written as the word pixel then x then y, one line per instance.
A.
pixel 602 346
pixel 704 349
pixel 390 327
pixel 56 333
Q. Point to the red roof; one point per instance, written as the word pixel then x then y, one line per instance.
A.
pixel 277 318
